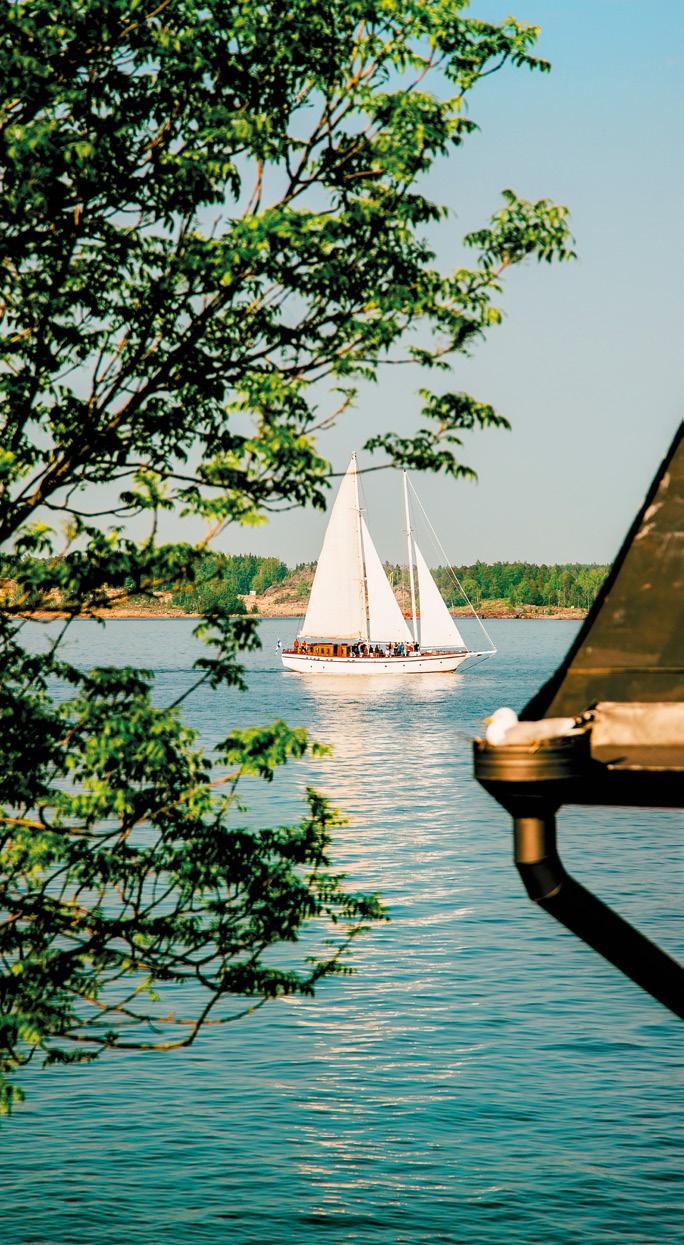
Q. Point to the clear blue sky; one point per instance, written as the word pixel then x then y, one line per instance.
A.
pixel 588 363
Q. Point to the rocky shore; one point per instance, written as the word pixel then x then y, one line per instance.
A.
pixel 294 610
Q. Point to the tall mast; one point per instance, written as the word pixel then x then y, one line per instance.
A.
pixel 409 540
pixel 362 562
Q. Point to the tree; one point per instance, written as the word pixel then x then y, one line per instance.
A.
pixel 211 217
pixel 270 571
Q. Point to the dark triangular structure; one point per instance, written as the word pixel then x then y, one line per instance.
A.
pixel 623 680
pixel 631 646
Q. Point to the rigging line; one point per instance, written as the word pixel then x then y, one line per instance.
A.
pixel 454 576
pixel 474 664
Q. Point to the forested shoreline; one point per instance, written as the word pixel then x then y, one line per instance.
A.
pixel 249 583
pixel 566 585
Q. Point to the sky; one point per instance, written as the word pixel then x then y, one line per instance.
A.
pixel 587 365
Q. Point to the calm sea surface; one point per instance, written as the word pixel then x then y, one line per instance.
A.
pixel 483 1079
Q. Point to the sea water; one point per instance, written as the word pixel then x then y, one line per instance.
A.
pixel 483 1078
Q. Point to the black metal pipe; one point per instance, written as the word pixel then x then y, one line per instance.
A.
pixel 548 884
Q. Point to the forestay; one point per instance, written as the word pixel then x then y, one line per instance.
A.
pixel 337 607
pixel 437 627
pixel 385 619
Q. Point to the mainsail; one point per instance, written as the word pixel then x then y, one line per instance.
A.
pixel 337 605
pixel 437 627
pixel 385 619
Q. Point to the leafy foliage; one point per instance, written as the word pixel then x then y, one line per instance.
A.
pixel 211 215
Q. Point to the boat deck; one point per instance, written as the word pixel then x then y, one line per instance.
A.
pixel 434 662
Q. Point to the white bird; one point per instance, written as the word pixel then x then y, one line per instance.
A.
pixel 504 728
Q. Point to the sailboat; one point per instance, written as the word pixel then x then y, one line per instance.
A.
pixel 353 622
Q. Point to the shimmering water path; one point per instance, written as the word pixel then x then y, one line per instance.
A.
pixel 483 1079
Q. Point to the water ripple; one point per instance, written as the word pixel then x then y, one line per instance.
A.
pixel 484 1078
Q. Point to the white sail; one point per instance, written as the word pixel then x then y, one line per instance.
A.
pixel 385 619
pixel 437 627
pixel 337 605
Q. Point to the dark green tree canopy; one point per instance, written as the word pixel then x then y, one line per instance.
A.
pixel 211 226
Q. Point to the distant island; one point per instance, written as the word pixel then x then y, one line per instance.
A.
pixel 266 586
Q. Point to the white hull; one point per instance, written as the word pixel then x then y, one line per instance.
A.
pixel 420 663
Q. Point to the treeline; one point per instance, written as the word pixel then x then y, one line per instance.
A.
pixel 570 585
pixel 219 581
pixel 222 580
